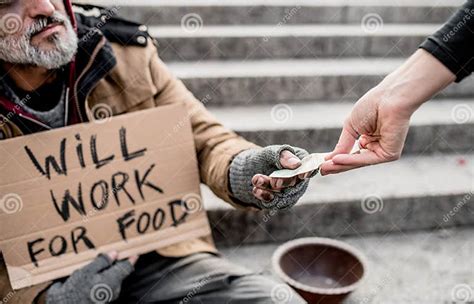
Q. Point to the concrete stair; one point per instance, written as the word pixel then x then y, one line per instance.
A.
pixel 316 126
pixel 216 12
pixel 280 71
pixel 252 82
pixel 417 192
pixel 250 42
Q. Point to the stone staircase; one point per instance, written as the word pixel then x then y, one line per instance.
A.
pixel 280 71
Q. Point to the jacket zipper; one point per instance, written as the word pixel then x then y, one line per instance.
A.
pixel 66 108
pixel 35 121
pixel 88 66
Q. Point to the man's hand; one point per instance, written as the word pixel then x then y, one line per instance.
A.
pixel 250 182
pixel 99 281
pixel 264 186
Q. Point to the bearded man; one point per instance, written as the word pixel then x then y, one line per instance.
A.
pixel 57 66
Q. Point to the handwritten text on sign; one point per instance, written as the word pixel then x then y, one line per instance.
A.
pixel 95 187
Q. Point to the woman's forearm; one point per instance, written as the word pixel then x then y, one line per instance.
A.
pixel 421 77
pixel 444 57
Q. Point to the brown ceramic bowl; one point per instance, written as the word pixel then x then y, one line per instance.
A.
pixel 321 270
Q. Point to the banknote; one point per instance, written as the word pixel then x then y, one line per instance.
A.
pixel 310 163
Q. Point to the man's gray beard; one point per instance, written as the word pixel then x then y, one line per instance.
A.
pixel 20 51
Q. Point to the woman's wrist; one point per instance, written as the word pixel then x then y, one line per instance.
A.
pixel 420 78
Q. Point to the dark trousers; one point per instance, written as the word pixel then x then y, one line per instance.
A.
pixel 200 278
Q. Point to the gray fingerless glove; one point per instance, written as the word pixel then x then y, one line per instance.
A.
pixel 98 282
pixel 263 161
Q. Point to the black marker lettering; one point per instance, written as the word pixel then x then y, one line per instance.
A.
pixel 123 145
pixel 182 219
pixel 62 246
pixel 34 253
pixel 80 152
pixel 118 186
pixel 79 234
pixel 143 182
pixel 95 158
pixel 63 210
pixel 104 195
pixel 50 161
pixel 124 222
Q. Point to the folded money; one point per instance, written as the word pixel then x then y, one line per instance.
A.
pixel 310 163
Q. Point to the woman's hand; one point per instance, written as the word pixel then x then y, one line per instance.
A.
pixel 380 119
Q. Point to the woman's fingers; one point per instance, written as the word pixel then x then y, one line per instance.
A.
pixel 344 145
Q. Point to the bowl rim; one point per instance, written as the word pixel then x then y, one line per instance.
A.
pixel 285 247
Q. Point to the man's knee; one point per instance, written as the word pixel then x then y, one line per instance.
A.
pixel 262 289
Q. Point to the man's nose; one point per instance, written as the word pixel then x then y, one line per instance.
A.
pixel 38 8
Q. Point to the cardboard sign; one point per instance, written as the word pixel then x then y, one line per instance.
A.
pixel 129 184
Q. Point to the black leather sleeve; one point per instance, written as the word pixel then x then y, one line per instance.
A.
pixel 453 43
